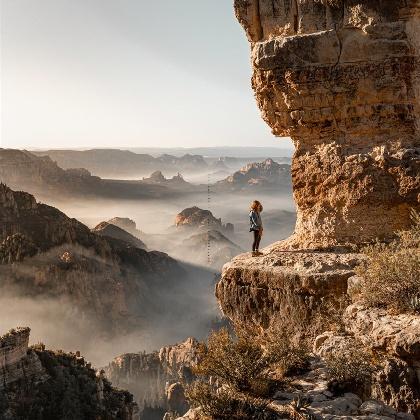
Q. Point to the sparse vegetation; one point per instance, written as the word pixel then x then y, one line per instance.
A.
pixel 350 368
pixel 238 374
pixel 391 274
pixel 226 403
pixel 302 319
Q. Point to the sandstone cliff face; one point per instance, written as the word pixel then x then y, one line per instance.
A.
pixel 259 291
pixel 16 361
pixel 341 78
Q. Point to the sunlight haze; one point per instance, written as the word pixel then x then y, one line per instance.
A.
pixel 126 73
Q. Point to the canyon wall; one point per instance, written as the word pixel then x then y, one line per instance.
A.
pixel 341 78
pixel 153 377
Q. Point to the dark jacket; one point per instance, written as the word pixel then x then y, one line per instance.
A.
pixel 255 221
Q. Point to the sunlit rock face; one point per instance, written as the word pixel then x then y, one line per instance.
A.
pixel 341 78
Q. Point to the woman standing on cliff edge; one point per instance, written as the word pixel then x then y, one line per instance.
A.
pixel 256 226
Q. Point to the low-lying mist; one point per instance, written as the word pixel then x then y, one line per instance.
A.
pixel 156 216
pixel 187 310
pixel 60 323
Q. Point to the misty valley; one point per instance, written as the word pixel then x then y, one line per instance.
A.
pixel 116 254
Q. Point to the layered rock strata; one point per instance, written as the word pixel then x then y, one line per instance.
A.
pixel 259 291
pixel 16 361
pixel 341 79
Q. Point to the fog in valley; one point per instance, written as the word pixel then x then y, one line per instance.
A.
pixel 139 273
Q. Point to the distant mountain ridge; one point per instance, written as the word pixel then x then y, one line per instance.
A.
pixel 258 174
pixel 117 163
pixel 40 175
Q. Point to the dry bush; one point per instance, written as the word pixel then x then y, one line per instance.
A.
pixel 238 375
pixel 391 274
pixel 289 351
pixel 226 403
pixel 241 362
pixel 351 367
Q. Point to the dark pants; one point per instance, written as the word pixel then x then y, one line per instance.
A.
pixel 257 240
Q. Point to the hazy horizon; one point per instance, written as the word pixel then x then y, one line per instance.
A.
pixel 98 74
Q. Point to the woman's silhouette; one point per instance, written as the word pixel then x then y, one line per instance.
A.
pixel 256 226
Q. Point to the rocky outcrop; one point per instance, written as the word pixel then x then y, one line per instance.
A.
pixel 196 218
pixel 260 290
pixel 262 175
pixel 154 378
pixel 16 360
pixel 340 78
pixel 52 384
pixel 313 391
pixel 110 230
pixel 396 335
pixel 395 340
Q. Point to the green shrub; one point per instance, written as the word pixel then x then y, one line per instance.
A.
pixel 391 274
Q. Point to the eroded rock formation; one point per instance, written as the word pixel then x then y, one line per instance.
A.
pixel 16 361
pixel 397 337
pixel 194 217
pixel 264 175
pixel 258 291
pixel 154 378
pixel 340 77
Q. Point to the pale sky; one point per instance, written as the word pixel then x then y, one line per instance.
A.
pixel 126 73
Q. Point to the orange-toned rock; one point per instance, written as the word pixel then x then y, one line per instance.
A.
pixel 340 77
